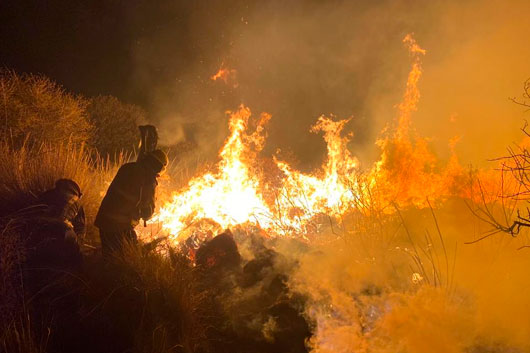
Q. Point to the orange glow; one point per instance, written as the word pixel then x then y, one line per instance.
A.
pixel 228 196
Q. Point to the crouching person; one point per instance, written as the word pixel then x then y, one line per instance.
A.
pixel 63 204
pixel 130 196
pixel 62 225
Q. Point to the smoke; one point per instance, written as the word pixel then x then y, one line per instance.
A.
pixel 301 59
pixel 397 287
pixel 405 282
pixel 296 61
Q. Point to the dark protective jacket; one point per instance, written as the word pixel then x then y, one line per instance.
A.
pixel 64 206
pixel 130 196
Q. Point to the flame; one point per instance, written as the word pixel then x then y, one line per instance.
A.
pixel 226 75
pixel 234 194
pixel 228 196
pixel 407 173
pixel 329 191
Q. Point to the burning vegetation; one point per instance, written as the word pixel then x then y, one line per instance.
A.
pixel 281 201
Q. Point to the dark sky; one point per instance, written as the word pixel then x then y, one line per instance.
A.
pixel 90 46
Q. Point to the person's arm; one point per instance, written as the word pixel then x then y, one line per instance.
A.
pixel 79 223
pixel 147 199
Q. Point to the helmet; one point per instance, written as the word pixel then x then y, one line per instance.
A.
pixel 69 186
pixel 159 156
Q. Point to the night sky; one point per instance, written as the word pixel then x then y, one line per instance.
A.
pixel 90 46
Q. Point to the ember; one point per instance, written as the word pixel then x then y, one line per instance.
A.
pixel 228 76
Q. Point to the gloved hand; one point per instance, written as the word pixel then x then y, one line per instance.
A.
pixel 69 235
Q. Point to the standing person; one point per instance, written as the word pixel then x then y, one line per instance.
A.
pixel 130 196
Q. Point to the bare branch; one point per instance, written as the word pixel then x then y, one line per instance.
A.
pixel 484 237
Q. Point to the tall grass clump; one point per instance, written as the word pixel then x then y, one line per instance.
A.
pixel 12 255
pixel 137 302
pixel 18 336
pixel 115 125
pixel 143 302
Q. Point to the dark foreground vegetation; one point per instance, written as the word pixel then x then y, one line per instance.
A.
pixel 55 297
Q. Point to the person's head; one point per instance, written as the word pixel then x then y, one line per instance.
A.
pixel 157 160
pixel 68 186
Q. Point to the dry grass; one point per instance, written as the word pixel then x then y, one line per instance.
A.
pixel 19 337
pixel 151 301
pixel 25 172
pixel 139 302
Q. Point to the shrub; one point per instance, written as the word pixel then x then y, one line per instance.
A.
pixel 34 108
pixel 115 125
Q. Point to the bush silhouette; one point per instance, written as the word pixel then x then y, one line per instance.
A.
pixel 115 125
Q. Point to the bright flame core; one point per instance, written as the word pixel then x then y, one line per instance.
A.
pixel 228 197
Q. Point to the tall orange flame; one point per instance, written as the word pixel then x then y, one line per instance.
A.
pixel 229 196
pixel 408 172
